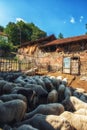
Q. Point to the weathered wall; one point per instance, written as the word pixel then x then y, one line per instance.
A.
pixel 54 59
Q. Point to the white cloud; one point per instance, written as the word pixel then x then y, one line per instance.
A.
pixel 81 18
pixel 20 19
pixel 72 20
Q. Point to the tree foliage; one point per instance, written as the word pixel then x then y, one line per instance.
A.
pixel 6 47
pixel 1 28
pixel 60 36
pixel 13 33
pixel 86 28
pixel 36 32
pixel 25 31
pixel 22 32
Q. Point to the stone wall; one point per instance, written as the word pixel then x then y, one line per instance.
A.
pixel 54 59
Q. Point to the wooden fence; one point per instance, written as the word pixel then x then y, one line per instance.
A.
pixel 7 64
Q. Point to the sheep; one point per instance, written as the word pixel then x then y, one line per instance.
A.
pixel 65 81
pixel 20 80
pixel 72 90
pixel 16 89
pixel 7 88
pixel 52 96
pixel 81 111
pixel 49 86
pixel 61 91
pixel 73 104
pixel 12 76
pixel 79 122
pixel 40 91
pixel 2 83
pixel 54 81
pixel 77 103
pixel 46 109
pixel 39 81
pixel 1 101
pixel 30 94
pixel 81 90
pixel 22 127
pixel 26 127
pixel 67 93
pixel 12 111
pixel 30 80
pixel 47 122
pixel 37 88
pixel 8 127
pixel 59 79
pixel 83 97
pixel 9 97
pixel 31 97
pixel 78 92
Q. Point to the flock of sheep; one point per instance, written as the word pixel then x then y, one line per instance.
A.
pixel 41 103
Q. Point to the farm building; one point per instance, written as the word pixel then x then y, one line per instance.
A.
pixel 32 48
pixel 68 55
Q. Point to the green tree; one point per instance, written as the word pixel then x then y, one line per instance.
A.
pixel 36 32
pixel 1 28
pixel 25 31
pixel 13 33
pixel 60 36
pixel 86 28
pixel 21 32
pixel 6 47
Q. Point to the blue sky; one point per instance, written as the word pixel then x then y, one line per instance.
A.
pixel 53 16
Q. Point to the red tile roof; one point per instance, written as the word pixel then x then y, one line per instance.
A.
pixel 38 41
pixel 66 40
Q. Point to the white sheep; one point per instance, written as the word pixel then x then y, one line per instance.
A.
pixel 48 122
pixel 77 103
pixel 79 122
pixel 74 104
pixel 81 111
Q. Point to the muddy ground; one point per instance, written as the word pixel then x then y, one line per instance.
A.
pixel 73 80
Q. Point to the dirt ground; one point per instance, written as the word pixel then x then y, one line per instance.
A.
pixel 73 80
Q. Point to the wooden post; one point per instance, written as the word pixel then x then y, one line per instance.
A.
pixel 19 65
